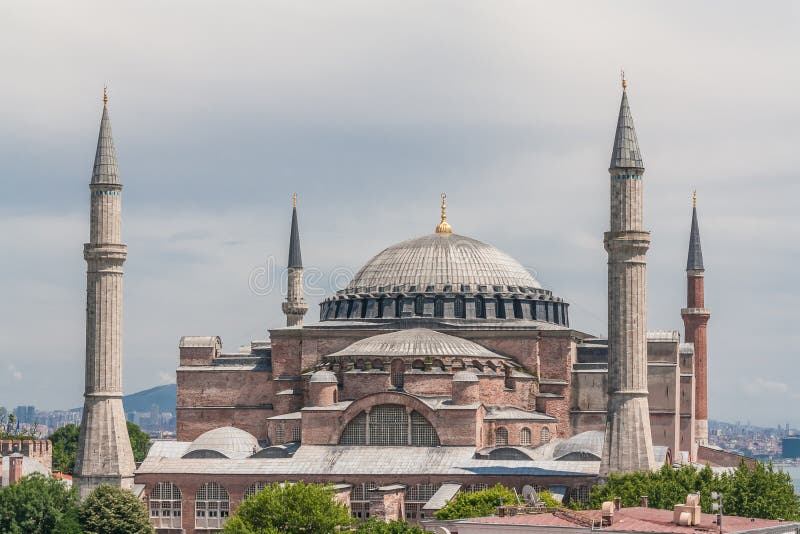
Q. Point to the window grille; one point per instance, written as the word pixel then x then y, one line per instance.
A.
pixel 388 425
pixel 480 307
pixel 296 433
pixel 472 488
pixel 460 308
pixel 422 432
pixel 165 505
pixel 355 433
pixel 211 505
pixel 416 497
pixel 545 436
pixel 579 494
pixel 279 435
pixel 419 306
pixel 501 436
pixel 500 308
pixel 438 307
pixel 258 487
pixel 398 373
pixel 525 436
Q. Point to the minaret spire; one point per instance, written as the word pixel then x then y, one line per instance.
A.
pixel 695 320
pixel 628 445
pixel 295 307
pixel 104 453
pixel 444 227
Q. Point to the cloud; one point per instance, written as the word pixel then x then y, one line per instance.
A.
pixel 761 386
pixel 15 373
pixel 165 377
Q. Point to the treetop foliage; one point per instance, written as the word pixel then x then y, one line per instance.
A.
pixel 760 492
pixel 486 502
pixel 38 505
pixel 65 446
pixel 113 510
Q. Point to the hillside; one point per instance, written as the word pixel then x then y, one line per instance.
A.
pixel 141 401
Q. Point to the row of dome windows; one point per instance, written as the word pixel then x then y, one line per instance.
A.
pixel 525 436
pixel 392 307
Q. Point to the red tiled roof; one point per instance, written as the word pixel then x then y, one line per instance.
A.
pixel 637 520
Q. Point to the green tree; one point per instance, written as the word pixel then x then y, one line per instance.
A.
pixel 65 446
pixel 296 508
pixel 376 526
pixel 140 442
pixel 477 504
pixel 113 510
pixel 760 491
pixel 38 505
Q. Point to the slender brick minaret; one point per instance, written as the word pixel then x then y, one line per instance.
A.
pixel 628 444
pixel 104 451
pixel 295 307
pixel 695 318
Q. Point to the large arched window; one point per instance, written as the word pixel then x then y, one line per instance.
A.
pixel 500 308
pixel 480 307
pixel 501 436
pixel 212 505
pixel 545 435
pixel 438 306
pixel 419 306
pixel 459 307
pixel 398 373
pixel 389 425
pixel 165 506
pixel 525 436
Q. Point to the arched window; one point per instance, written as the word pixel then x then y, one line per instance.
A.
pixel 508 380
pixel 296 432
pixel 418 364
pixel 438 306
pixel 525 436
pixel 458 364
pixel 422 432
pixel 165 506
pixel 545 435
pixel 258 487
pixel 459 307
pixel 500 308
pixel 501 436
pixel 359 364
pixel 377 364
pixel 517 309
pixel 212 505
pixel 438 364
pixel 355 433
pixel 388 425
pixel 480 307
pixel 398 373
pixel 419 306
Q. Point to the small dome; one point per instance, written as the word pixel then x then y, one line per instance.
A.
pixel 465 376
pixel 223 442
pixel 419 342
pixel 441 258
pixel 584 446
pixel 324 377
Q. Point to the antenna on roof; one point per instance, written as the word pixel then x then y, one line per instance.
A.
pixel 529 494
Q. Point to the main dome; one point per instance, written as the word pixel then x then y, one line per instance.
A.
pixel 434 261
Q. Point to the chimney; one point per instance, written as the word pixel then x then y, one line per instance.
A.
pixel 607 514
pixel 14 468
pixel 644 501
pixel 617 504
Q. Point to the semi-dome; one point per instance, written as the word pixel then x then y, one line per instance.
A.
pixel 431 262
pixel 323 377
pixel 223 442
pixel 416 342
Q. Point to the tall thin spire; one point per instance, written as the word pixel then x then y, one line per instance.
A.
pixel 105 169
pixel 295 258
pixel 625 154
pixel 695 260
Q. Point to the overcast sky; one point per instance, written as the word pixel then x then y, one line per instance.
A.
pixel 369 110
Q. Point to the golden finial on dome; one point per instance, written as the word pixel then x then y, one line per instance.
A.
pixel 105 95
pixel 294 200
pixel 443 227
pixel 624 81
pixel 694 199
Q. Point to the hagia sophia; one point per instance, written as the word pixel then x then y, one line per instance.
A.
pixel 443 366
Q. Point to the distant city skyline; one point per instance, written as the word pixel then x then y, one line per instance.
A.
pixel 370 112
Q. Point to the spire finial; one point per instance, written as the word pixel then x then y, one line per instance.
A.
pixel 443 227
pixel 694 199
pixel 624 81
pixel 294 200
pixel 105 95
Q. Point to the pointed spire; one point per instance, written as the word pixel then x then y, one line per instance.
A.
pixel 295 258
pixel 695 260
pixel 625 154
pixel 105 169
pixel 443 227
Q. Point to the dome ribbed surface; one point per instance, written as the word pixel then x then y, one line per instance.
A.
pixel 228 441
pixel 437 260
pixel 416 342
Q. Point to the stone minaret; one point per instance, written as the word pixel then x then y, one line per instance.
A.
pixel 294 307
pixel 628 444
pixel 695 318
pixel 104 450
